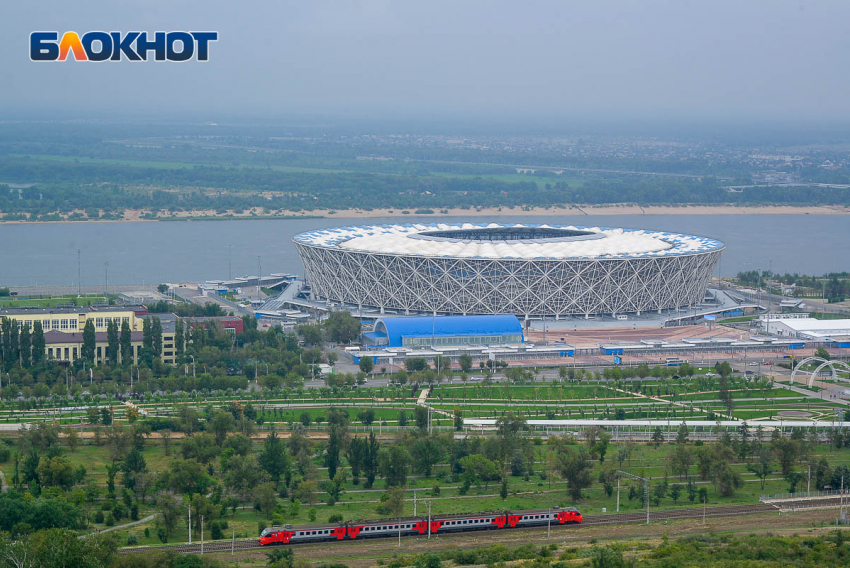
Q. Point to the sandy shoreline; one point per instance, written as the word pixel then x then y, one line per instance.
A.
pixel 590 211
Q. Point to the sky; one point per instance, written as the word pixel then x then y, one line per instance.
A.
pixel 604 60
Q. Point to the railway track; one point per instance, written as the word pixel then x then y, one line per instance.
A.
pixel 609 519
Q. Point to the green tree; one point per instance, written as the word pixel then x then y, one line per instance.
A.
pixel 574 466
pixel 38 345
pixel 342 327
pixel 112 343
pixel 335 487
pixel 601 445
pixel 657 436
pixel 392 502
pixel 393 464
pixel 426 452
pixel 55 472
pixel 723 368
pixel 682 433
pixel 477 468
pixel 156 336
pixel 179 340
pixel 311 334
pixel 420 416
pixel 274 459
pixel 25 349
pixel 357 454
pixel 88 348
pixel 337 439
pixel 786 451
pixel 366 416
pixel 366 364
pixel 675 493
pixel 221 423
pixel 606 557
pixel 170 509
pixel 370 460
pixel 126 344
pixel 762 468
pixel 415 364
pixel 465 362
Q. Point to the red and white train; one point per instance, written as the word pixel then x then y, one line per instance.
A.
pixel 410 526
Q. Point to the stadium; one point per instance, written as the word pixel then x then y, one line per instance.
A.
pixel 522 269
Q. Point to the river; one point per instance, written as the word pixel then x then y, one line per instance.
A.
pixel 153 252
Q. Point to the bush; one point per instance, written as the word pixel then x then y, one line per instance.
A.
pixel 162 535
pixel 110 520
pixel 147 532
pixel 132 539
pixel 311 514
pixel 436 490
pixel 98 517
pixel 216 530
pixel 337 518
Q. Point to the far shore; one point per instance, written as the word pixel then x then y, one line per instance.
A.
pixel 574 210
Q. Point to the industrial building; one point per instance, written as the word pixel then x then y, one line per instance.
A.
pixel 809 328
pixel 525 270
pixel 420 332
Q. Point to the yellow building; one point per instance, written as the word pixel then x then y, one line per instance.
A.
pixel 63 329
pixel 73 319
pixel 68 346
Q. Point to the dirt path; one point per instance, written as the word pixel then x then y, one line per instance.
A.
pixel 673 402
pixel 134 523
pixel 3 486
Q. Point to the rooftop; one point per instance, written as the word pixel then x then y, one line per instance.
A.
pixel 495 240
pixel 812 324
pixel 11 312
pixel 397 328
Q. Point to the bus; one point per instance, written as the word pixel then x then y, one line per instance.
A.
pixel 675 361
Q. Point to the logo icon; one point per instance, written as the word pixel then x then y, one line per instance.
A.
pixel 117 46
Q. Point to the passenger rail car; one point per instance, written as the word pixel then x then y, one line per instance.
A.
pixel 411 526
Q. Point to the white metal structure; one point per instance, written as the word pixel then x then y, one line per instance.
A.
pixel 526 270
pixel 823 364
pixel 671 425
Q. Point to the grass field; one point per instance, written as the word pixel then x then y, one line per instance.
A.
pixel 53 301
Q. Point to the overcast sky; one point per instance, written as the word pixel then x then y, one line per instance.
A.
pixel 678 59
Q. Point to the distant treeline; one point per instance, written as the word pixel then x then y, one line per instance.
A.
pixel 836 285
pixel 68 186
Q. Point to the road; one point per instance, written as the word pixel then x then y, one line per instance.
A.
pixel 195 297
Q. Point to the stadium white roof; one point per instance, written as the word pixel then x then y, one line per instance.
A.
pixel 596 242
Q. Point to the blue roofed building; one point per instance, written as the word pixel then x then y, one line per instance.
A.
pixel 425 331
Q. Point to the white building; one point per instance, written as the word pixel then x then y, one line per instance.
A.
pixel 809 328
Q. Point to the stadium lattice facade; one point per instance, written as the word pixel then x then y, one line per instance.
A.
pixel 527 270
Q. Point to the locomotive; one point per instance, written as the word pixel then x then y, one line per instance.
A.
pixel 410 526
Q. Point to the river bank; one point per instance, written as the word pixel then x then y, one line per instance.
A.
pixel 138 215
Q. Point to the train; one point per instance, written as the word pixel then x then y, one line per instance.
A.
pixel 416 526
